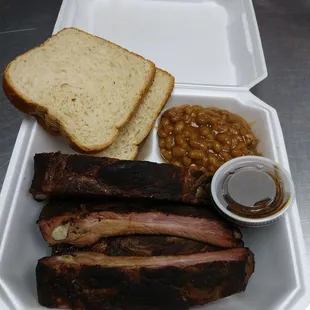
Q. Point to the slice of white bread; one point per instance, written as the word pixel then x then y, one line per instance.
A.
pixel 82 85
pixel 134 132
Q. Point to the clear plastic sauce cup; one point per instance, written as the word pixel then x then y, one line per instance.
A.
pixel 252 191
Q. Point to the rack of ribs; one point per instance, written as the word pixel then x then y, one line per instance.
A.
pixel 57 174
pixel 89 280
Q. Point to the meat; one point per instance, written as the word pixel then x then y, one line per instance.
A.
pixel 133 235
pixel 84 223
pixel 57 174
pixel 140 245
pixel 88 280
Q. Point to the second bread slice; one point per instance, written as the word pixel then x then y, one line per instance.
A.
pixel 134 132
pixel 82 85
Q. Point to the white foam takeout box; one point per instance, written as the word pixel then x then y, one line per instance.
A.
pixel 213 49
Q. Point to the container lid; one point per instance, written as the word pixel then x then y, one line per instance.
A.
pixel 209 42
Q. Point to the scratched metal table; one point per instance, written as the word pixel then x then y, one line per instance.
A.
pixel 285 32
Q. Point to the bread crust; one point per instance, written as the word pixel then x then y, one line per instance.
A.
pixel 43 116
pixel 164 102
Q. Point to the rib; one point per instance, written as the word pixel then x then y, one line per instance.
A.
pixel 57 174
pixel 140 245
pixel 94 281
pixel 84 223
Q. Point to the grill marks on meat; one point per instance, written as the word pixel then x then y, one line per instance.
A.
pixel 59 174
pixel 140 245
pixel 83 224
pixel 94 281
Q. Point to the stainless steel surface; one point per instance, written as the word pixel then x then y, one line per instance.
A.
pixel 285 32
pixel 23 25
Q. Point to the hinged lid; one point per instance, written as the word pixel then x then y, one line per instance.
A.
pixel 210 42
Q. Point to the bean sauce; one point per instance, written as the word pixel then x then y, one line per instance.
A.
pixel 204 137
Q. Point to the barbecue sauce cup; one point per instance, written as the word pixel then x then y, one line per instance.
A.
pixel 252 191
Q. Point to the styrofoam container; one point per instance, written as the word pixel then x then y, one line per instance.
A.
pixel 213 49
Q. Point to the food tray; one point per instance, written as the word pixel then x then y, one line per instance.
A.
pixel 216 56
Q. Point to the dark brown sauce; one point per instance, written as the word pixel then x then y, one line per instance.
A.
pixel 264 207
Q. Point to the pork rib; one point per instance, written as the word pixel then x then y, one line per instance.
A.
pixel 94 281
pixel 82 224
pixel 81 175
pixel 140 245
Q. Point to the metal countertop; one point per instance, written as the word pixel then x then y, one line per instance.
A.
pixel 285 32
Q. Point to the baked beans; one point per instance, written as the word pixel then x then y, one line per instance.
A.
pixel 204 137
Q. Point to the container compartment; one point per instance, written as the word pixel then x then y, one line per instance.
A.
pixel 23 245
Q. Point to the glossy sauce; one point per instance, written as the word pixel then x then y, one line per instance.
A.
pixel 204 137
pixel 253 193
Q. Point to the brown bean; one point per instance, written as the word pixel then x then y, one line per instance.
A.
pixel 209 145
pixel 165 121
pixel 236 153
pixel 193 115
pixel 169 141
pixel 234 142
pixel 193 133
pixel 220 128
pixel 177 151
pixel 201 119
pixel 162 143
pixel 249 138
pixel 204 130
pixel 226 148
pixel 214 112
pixel 212 159
pixel 236 126
pixel 224 115
pixel 211 169
pixel 188 109
pixel 186 133
pixel 177 117
pixel 234 131
pixel 187 118
pixel 239 138
pixel 217 147
pixel 170 113
pixel 184 146
pixel 210 137
pixel 228 140
pixel 196 154
pixel 178 127
pixel 205 161
pixel 168 128
pixel 212 120
pixel 179 139
pixel 162 133
pixel 199 162
pixel 197 144
pixel 226 156
pixel 243 131
pixel 187 161
pixel 240 146
pixel 167 155
pixel 233 118
pixel 221 137
pixel 176 163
